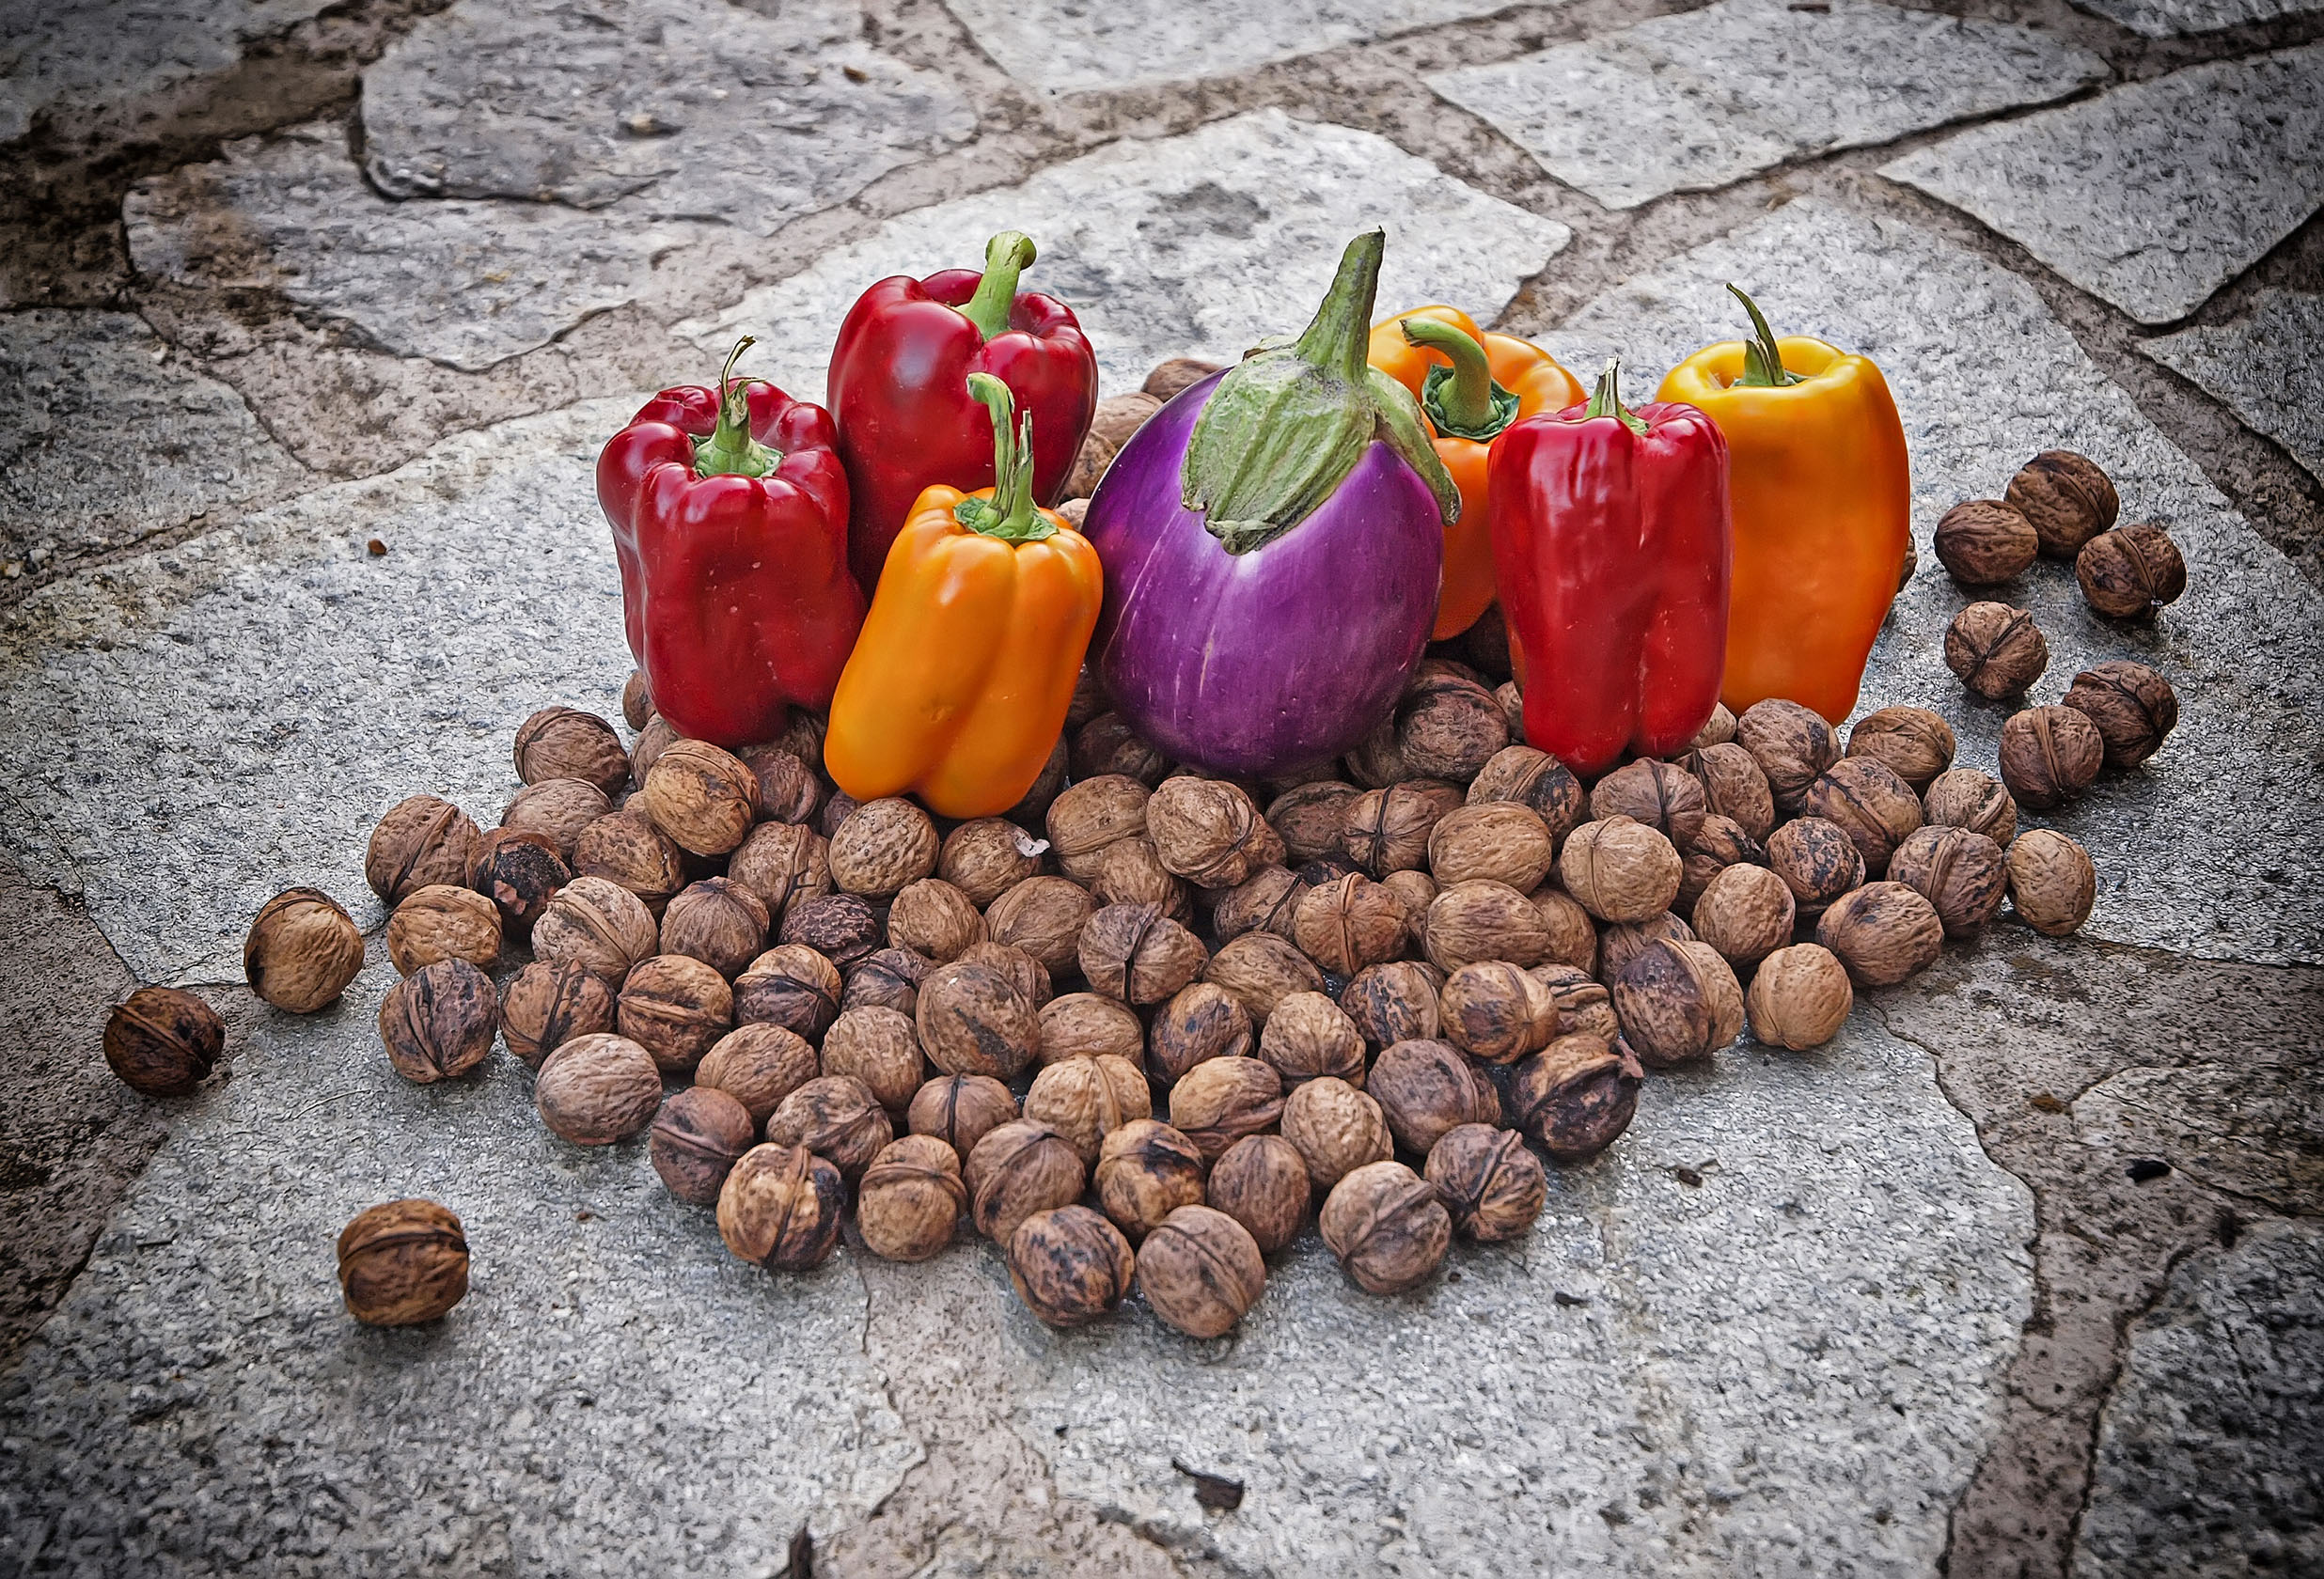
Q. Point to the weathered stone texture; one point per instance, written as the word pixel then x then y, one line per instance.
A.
pixel 2162 18
pixel 2265 366
pixel 76 55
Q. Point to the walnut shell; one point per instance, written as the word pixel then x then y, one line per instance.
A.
pixel 758 1065
pixel 1792 744
pixel 443 922
pixel 1136 954
pixel 2049 755
pixel 1203 1022
pixel 1996 650
pixel 842 928
pixel 1387 1227
pixel 1219 1100
pixel 784 863
pixel 1484 920
pixel 598 1089
pixel 1044 916
pixel 1817 861
pixel 1662 795
pixel 988 856
pixel 1984 542
pixel 1415 891
pixel 1308 817
pixel 781 1207
pixel 2130 572
pixel 626 847
pixel 1967 798
pixel 1309 1037
pixel 559 808
pixel 696 1140
pixel 1492 1187
pixel 420 841
pixel 1025 972
pixel 1497 1011
pixel 1069 1265
pixel 598 925
pixel 2052 884
pixel 1387 830
pixel 2132 706
pixel 1208 831
pixel 566 743
pixel 1018 1168
pixel 1107 744
pixel 1577 1095
pixel 402 1263
pixel 1448 725
pixel 1722 843
pixel 1570 937
pixel 675 1008
pixel 1091 814
pixel 1502 840
pixel 519 872
pixel 1089 1025
pixel 1799 997
pixel 1353 922
pixel 1719 729
pixel 1426 1088
pixel 886 978
pixel 1118 418
pixel 1962 874
pixel 1261 970
pixel 1335 1128
pixel 1145 1171
pixel 1618 869
pixel 1200 1272
pixel 437 1023
pixel 1625 940
pixel 658 736
pixel 1085 1100
pixel 789 789
pixel 911 1199
pixel 879 1047
pixel 837 1118
pixel 1732 787
pixel 302 951
pixel 961 1110
pixel 1262 1183
pixel 636 700
pixel 1537 781
pixel 547 1004
pixel 1392 1003
pixel 1917 744
pixel 1883 932
pixel 883 846
pixel 1584 1005
pixel 1678 1001
pixel 1269 898
pixel 2067 497
pixel 1746 914
pixel 973 1020
pixel 792 986
pixel 933 918
pixel 702 797
pixel 717 921
pixel 1174 377
pixel 1871 803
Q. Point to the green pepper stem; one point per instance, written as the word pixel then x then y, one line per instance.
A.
pixel 1606 399
pixel 1009 515
pixel 1340 332
pixel 1006 256
pixel 729 450
pixel 1763 359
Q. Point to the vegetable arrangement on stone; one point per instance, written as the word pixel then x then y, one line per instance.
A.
pixel 1134 883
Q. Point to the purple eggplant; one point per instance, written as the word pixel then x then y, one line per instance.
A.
pixel 1273 540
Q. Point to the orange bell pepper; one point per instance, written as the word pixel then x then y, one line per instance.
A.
pixel 1468 400
pixel 957 688
pixel 1822 498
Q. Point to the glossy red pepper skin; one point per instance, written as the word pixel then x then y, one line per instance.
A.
pixel 735 591
pixel 899 389
pixel 1611 550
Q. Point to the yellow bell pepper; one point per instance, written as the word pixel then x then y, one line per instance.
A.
pixel 958 687
pixel 1822 501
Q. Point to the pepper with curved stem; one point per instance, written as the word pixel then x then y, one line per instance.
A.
pixel 1763 358
pixel 1463 400
pixel 1009 514
pixel 729 450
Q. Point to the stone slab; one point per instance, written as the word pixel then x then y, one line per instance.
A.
pixel 1983 379
pixel 2265 365
pixel 1071 45
pixel 2208 1455
pixel 2152 195
pixel 78 55
pixel 107 436
pixel 710 110
pixel 2253 1127
pixel 1193 245
pixel 1693 102
pixel 2164 18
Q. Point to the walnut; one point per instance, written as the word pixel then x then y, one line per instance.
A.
pixel 1106 745
pixel 1916 743
pixel 933 918
pixel 2066 497
pixel 1089 1025
pixel 1017 1169
pixel 1746 914
pixel 558 807
pixel 1145 1171
pixel 1511 700
pixel 758 1065
pixel 1618 869
pixel 911 1198
pixel 1678 1001
pixel 655 737
pixel 402 1263
pixel 1308 819
pixel 1085 1100
pixel 1392 1003
pixel 1536 780
pixel 1883 932
pixel 2130 572
pixel 1799 997
pixel 1583 1002
pixel 520 871
pixel 1625 940
pixel 1219 1100
pixel 1174 377
pixel 1387 830
pixel 1351 923
pixel 421 841
pixel 2133 707
pixel 1573 937
pixel 1960 873
pixel 1200 1272
pixel 879 1047
pixel 1262 1183
pixel 164 1042
pixel 961 1110
pixel 1866 799
pixel 1044 916
pixel 442 922
pixel 1309 1037
pixel 783 863
pixel 696 1140
pixel 1996 650
pixel 1208 831
pixel 1203 1022
pixel 1817 862
pixel 2049 755
pixel 837 1118
pixel 1722 843
pixel 790 985
pixel 2053 883
pixel 1093 815
pixel 1984 542
pixel 1490 1184
pixel 1577 1095
pixel 636 700
pixel 1447 726
pixel 1965 798
pixel 883 846
pixel 675 1008
pixel 1732 788
pixel 1335 1128
pixel 1660 795
pixel 1268 899
pixel 842 928
pixel 974 1020
pixel 717 921
pixel 1261 970
pixel 1502 840
pixel 1136 954
pixel 886 978
pixel 624 847
pixel 1415 891
pixel 1485 920
pixel 598 925
pixel 1497 1011
pixel 1387 1227
pixel 302 951
pixel 1069 1265
pixel 789 789
pixel 703 798
pixel 598 1089
pixel 1118 418
pixel 1792 744
pixel 546 1005
pixel 781 1207
pixel 987 858
pixel 1031 811
pixel 566 743
pixel 1089 699
pixel 1426 1088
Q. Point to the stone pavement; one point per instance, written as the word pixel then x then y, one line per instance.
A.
pixel 278 278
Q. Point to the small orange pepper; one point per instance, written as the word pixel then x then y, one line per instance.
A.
pixel 958 687
pixel 1468 400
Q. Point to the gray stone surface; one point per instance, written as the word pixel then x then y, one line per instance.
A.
pixel 1983 378
pixel 2152 195
pixel 60 58
pixel 1073 45
pixel 107 436
pixel 709 110
pixel 1193 245
pixel 2162 18
pixel 1693 101
pixel 2208 1458
pixel 2265 365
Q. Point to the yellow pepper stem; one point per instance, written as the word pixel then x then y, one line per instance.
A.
pixel 1009 515
pixel 1763 359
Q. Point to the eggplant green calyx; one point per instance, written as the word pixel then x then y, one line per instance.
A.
pixel 1006 256
pixel 1288 423
pixel 1606 399
pixel 1763 359
pixel 729 450
pixel 1463 400
pixel 1009 514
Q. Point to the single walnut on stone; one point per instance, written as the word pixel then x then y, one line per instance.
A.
pixel 911 1199
pixel 2049 755
pixel 1387 1226
pixel 1799 997
pixel 302 951
pixel 1984 542
pixel 1996 650
pixel 1490 1184
pixel 1882 932
pixel 1200 1272
pixel 696 1140
pixel 2133 708
pixel 437 1024
pixel 566 743
pixel 2066 498
pixel 2130 572
pixel 1069 1265
pixel 1576 1096
pixel 403 1263
pixel 2052 884
pixel 420 841
pixel 1262 1183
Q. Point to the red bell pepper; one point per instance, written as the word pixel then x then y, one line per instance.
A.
pixel 899 389
pixel 1612 547
pixel 729 509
